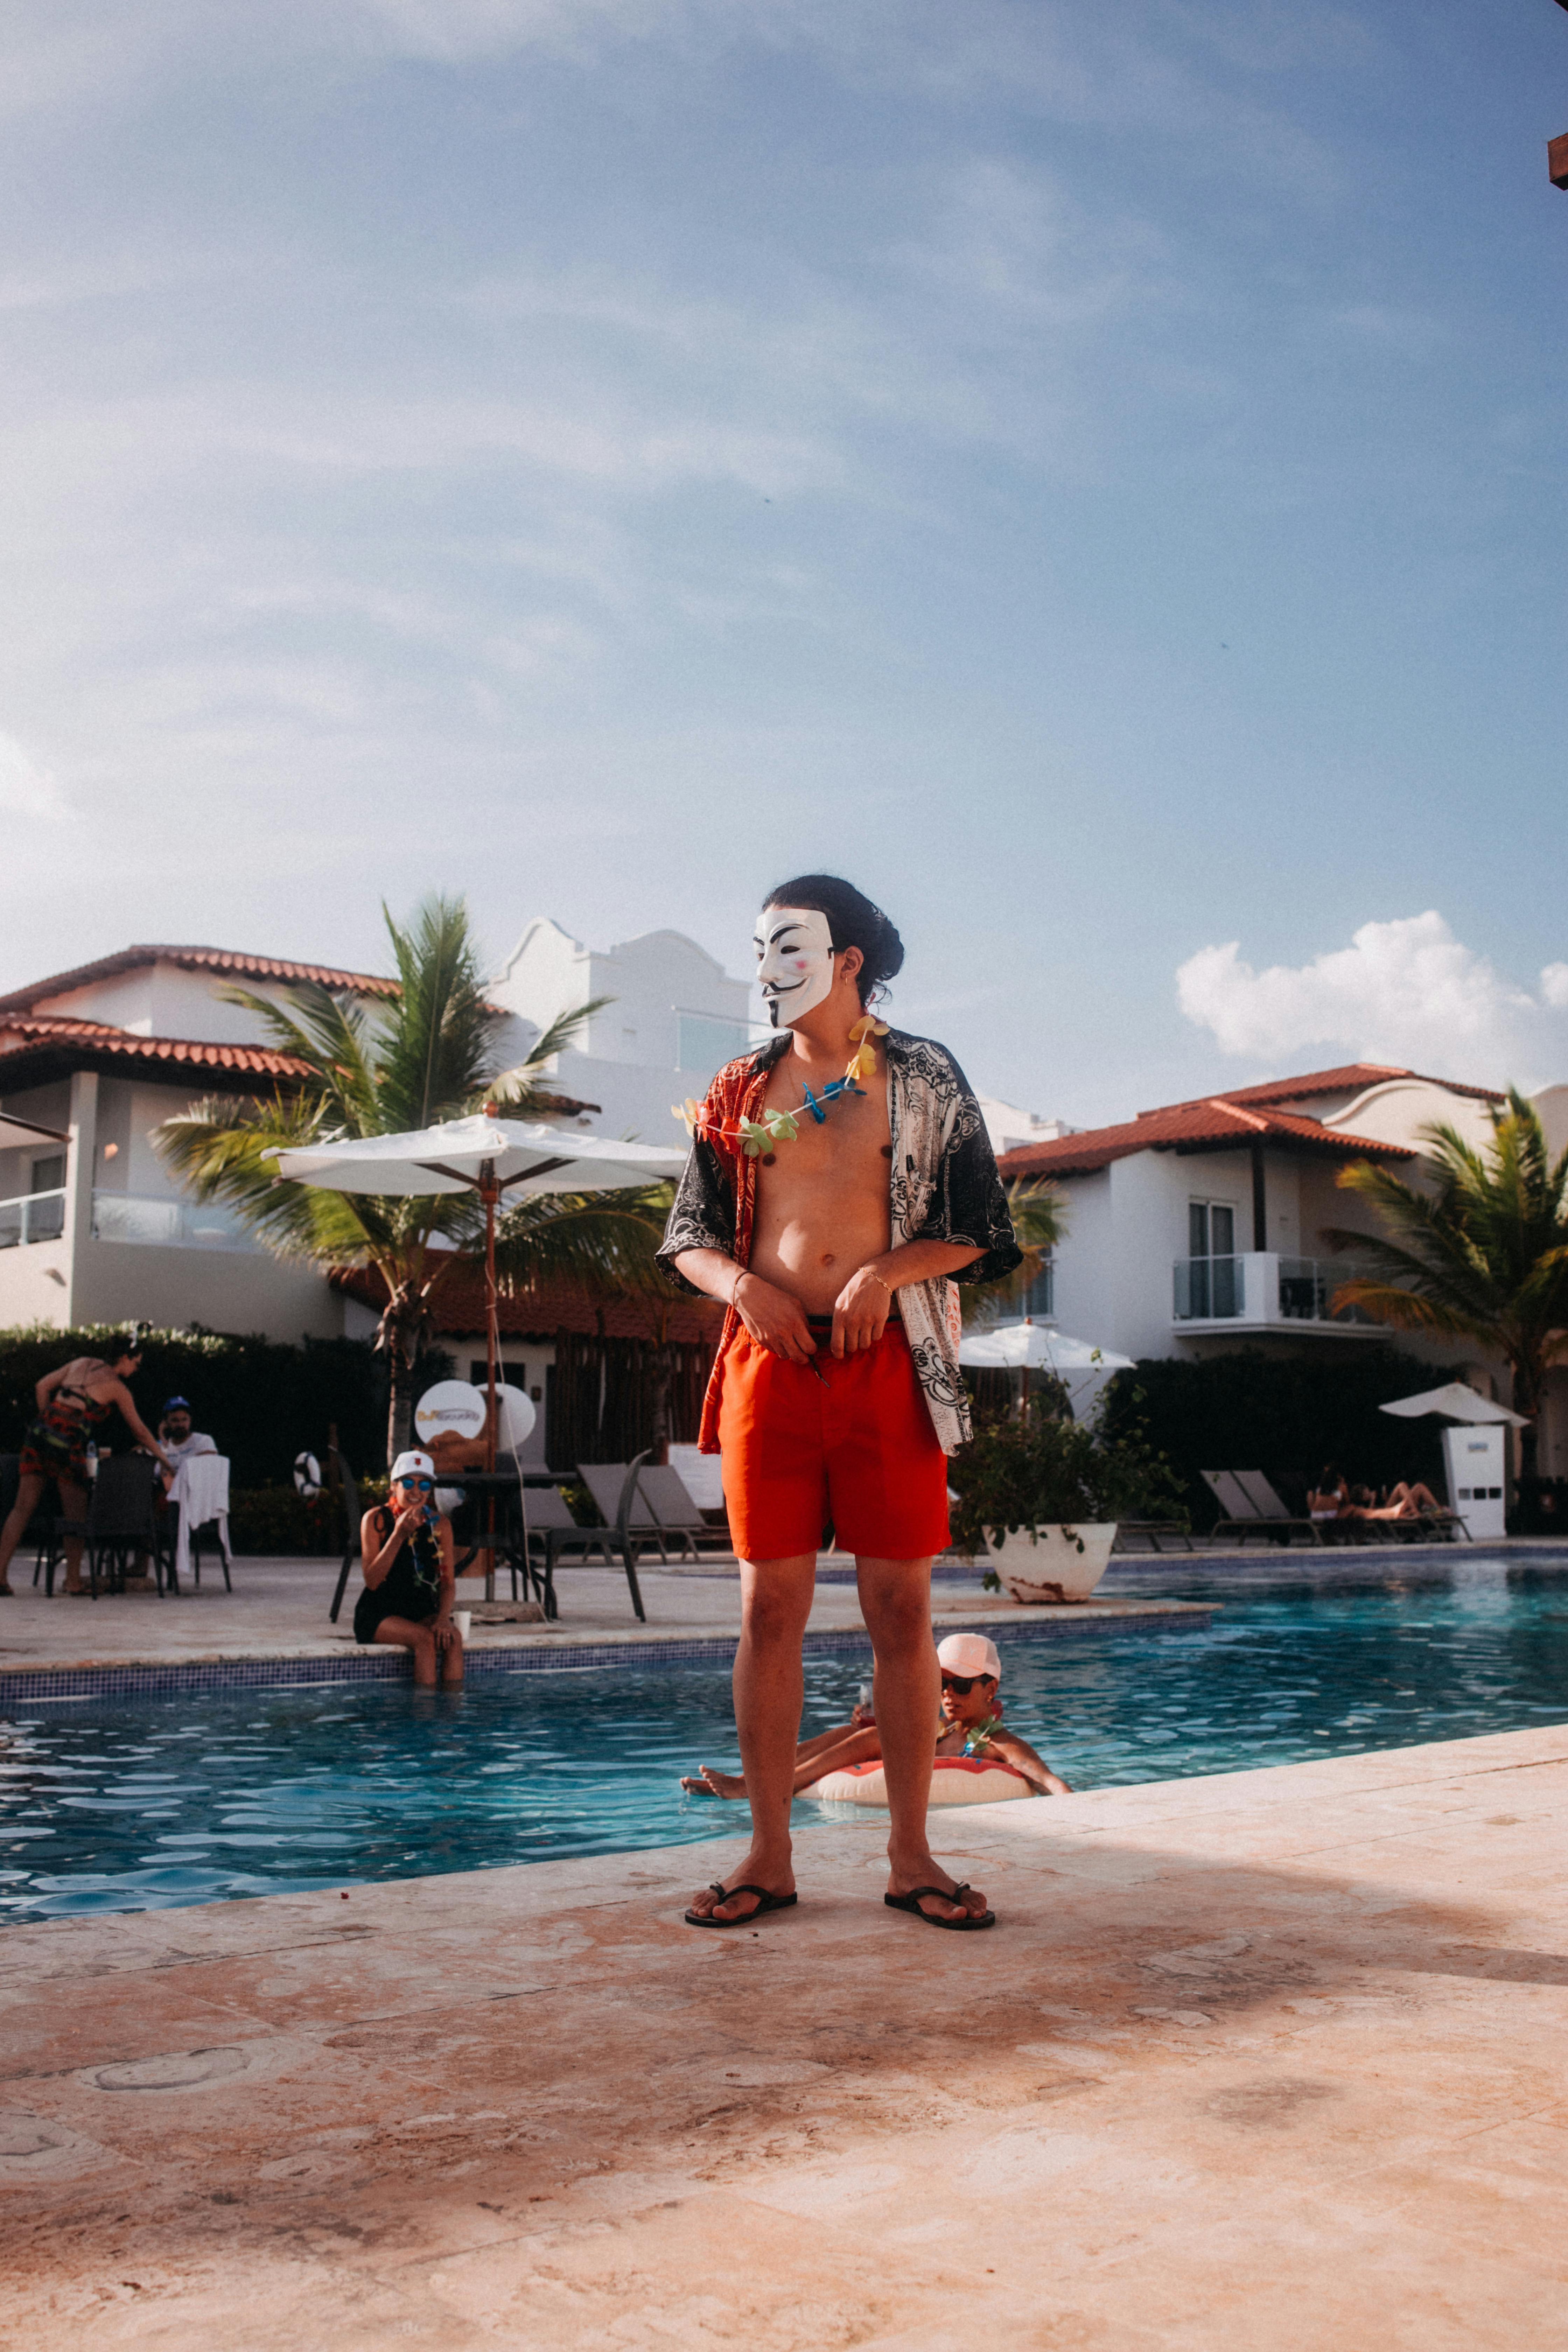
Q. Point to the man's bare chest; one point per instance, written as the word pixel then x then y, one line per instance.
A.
pixel 847 1147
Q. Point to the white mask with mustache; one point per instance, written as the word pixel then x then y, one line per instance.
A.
pixel 794 962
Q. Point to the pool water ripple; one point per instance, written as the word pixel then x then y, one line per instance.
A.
pixel 136 1803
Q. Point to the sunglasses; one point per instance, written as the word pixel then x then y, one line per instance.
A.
pixel 424 1485
pixel 962 1684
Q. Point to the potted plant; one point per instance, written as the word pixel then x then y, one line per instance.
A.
pixel 1040 1496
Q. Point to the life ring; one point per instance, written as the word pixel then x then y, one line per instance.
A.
pixel 955 1780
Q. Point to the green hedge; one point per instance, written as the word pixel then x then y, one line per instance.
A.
pixel 263 1400
pixel 1283 1415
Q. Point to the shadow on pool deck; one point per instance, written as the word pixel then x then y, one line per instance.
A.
pixel 1261 2060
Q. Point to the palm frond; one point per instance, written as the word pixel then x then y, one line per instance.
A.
pixel 435 1043
pixel 517 1089
pixel 601 1240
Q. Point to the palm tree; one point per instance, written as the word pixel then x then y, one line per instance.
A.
pixel 428 1054
pixel 1482 1255
pixel 1040 1224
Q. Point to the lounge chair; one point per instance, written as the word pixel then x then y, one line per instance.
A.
pixel 666 1493
pixel 1249 1507
pixel 615 1489
pixel 1155 1533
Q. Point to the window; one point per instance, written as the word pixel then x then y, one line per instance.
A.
pixel 704 1042
pixel 49 1175
pixel 1039 1296
pixel 1213 1288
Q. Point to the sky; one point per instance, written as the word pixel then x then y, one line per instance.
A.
pixel 1093 476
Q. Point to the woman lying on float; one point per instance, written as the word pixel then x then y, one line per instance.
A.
pixel 978 1759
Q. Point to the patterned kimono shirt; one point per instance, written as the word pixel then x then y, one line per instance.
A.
pixel 943 1187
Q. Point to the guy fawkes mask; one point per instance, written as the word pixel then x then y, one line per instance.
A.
pixel 794 962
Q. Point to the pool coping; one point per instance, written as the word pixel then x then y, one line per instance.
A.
pixel 547 1653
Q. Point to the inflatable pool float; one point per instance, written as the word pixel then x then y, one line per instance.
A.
pixel 955 1780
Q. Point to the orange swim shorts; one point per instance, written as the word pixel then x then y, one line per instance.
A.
pixel 855 1447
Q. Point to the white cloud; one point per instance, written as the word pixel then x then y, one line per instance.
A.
pixel 25 788
pixel 1405 991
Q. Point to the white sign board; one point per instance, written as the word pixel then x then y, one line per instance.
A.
pixel 451 1406
pixel 1477 1478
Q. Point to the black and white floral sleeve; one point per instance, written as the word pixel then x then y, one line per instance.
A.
pixel 702 1215
pixel 965 1201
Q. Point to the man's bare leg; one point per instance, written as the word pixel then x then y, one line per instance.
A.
pixel 770 1691
pixel 895 1600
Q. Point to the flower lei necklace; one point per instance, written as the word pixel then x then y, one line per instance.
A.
pixel 756 1136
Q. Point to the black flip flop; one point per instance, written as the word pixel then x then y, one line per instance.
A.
pixel 766 1902
pixel 911 1904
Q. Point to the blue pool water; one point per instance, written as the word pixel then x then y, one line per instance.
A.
pixel 138 1803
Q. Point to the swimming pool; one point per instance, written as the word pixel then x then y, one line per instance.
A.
pixel 137 1803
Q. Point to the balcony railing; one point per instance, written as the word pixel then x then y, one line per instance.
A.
pixel 166 1222
pixel 1258 1288
pixel 32 1217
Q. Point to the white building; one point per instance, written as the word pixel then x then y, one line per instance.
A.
pixel 1199 1227
pixel 673 1017
pixel 94 1230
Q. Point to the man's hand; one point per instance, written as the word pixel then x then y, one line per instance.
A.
pixel 860 1312
pixel 774 1320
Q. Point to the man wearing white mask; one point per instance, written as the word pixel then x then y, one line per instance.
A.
pixel 838 1179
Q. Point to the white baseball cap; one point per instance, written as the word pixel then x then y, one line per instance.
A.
pixel 413 1465
pixel 969 1653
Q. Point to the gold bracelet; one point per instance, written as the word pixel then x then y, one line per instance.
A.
pixel 877 1277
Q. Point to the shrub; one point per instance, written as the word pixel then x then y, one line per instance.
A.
pixel 1283 1415
pixel 262 1400
pixel 1016 1473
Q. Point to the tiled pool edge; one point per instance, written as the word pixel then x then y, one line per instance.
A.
pixel 22 1685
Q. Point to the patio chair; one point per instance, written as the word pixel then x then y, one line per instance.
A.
pixel 552 1535
pixel 614 1490
pixel 122 1520
pixel 1249 1507
pixel 36 1531
pixel 349 1490
pixel 666 1493
pixel 201 1492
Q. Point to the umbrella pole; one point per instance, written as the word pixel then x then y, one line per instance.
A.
pixel 489 1191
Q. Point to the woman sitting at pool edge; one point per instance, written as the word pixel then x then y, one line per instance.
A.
pixel 407 1553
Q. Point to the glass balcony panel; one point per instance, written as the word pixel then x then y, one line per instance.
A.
pixel 1208 1288
pixel 32 1217
pixel 166 1222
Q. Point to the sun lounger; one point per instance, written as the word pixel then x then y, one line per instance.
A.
pixel 1249 1507
pixel 1155 1533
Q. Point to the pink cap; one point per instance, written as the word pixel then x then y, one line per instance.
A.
pixel 969 1653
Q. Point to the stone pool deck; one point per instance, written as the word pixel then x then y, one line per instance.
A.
pixel 1269 2060
pixel 278 1611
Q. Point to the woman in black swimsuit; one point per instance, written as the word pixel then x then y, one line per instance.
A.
pixel 406 1552
pixel 73 1404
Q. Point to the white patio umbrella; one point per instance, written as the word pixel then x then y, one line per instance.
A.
pixel 1029 1347
pixel 490 1156
pixel 1455 1402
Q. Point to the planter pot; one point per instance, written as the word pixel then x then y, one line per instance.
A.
pixel 1054 1565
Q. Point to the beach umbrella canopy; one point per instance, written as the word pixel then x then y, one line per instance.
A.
pixel 465 1155
pixel 1454 1401
pixel 1032 1347
pixel 490 1156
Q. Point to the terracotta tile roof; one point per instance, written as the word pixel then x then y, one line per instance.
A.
pixel 25 1037
pixel 78 1044
pixel 229 961
pixel 1220 1124
pixel 459 1310
pixel 1349 1078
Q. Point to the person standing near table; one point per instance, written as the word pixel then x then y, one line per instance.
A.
pixel 72 1403
pixel 829 1204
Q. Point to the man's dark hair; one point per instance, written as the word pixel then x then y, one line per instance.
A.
pixel 852 922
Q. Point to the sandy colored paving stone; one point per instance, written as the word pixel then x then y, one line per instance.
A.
pixel 529 2106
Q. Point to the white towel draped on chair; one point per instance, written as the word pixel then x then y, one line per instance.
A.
pixel 200 1490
